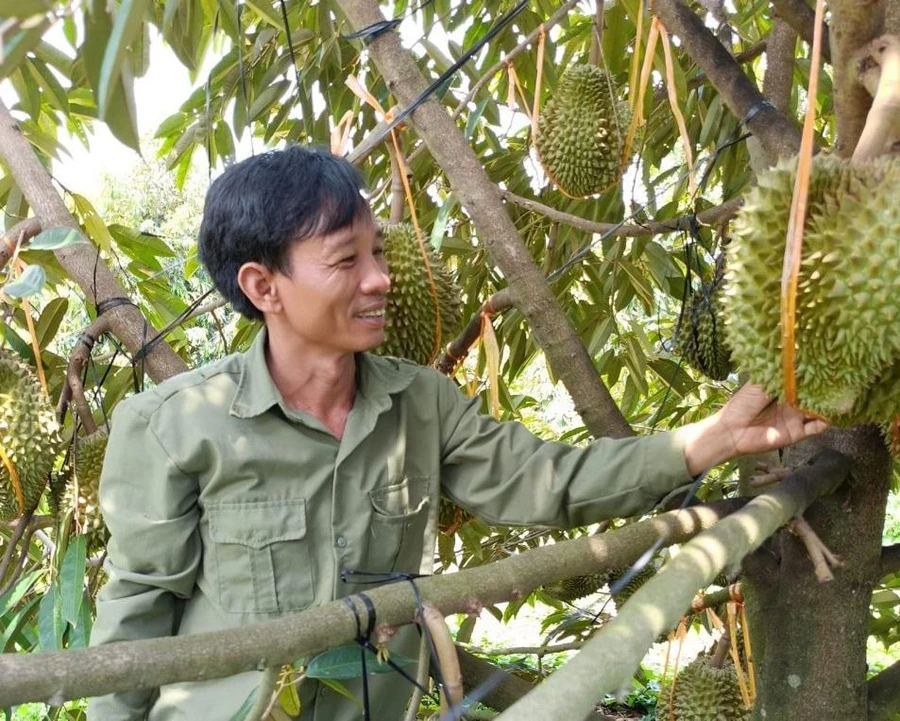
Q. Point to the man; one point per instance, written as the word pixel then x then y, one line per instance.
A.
pixel 239 491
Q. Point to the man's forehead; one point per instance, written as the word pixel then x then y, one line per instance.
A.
pixel 349 234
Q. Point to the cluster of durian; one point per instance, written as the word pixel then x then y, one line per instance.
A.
pixel 847 349
pixel 702 692
pixel 701 334
pixel 577 587
pixel 582 132
pixel 29 437
pixel 411 318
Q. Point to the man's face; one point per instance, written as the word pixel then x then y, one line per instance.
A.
pixel 333 298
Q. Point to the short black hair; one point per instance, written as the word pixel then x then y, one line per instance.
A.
pixel 259 207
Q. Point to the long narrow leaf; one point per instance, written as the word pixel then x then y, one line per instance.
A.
pixel 126 27
pixel 71 579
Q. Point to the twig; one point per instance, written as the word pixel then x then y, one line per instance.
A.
pixel 458 348
pixel 18 532
pixel 265 695
pixel 879 71
pixel 597 34
pixel 767 479
pixel 823 559
pixel 412 710
pixel 17 237
pixel 513 650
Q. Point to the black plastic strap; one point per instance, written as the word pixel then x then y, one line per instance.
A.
pixel 755 110
pixel 114 302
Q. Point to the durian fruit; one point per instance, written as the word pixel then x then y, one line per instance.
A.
pixel 29 436
pixel 848 297
pixel 702 692
pixel 701 334
pixel 642 576
pixel 82 491
pixel 582 131
pixel 572 589
pixel 410 320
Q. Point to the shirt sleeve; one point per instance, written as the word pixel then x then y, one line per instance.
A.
pixel 150 508
pixel 504 474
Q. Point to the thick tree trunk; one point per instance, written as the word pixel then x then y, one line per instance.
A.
pixel 481 199
pixel 809 638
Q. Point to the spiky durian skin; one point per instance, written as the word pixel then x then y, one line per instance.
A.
pixel 626 592
pixel 582 131
pixel 848 283
pixel 82 495
pixel 701 335
pixel 702 693
pixel 29 436
pixel 572 589
pixel 410 323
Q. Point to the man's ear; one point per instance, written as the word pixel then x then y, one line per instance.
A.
pixel 257 283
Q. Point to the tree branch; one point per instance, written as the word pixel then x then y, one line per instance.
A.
pixel 711 216
pixel 802 18
pixel 54 677
pixel 457 350
pixel 777 134
pixel 480 197
pixel 17 237
pixel 608 659
pixel 884 694
pixel 80 260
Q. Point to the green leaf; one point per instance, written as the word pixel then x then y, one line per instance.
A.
pixel 71 579
pixel 51 318
pixel 125 29
pixel 344 662
pixel 29 283
pixel 169 13
pixel 19 45
pixel 15 624
pixel 50 622
pixel 266 98
pixel 245 708
pixel 440 223
pixel 93 223
pixel 265 11
pixel 80 635
pixel 122 116
pixel 55 238
pixel 53 91
pixel 12 597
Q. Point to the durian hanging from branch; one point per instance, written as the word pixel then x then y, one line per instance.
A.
pixel 846 346
pixel 582 131
pixel 424 302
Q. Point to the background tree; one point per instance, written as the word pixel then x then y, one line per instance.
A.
pixel 593 287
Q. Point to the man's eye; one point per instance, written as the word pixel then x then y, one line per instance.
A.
pixel 378 251
pixel 347 260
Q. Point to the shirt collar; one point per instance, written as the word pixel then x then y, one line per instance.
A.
pixel 377 377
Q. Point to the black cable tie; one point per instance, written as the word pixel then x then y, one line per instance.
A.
pixel 87 339
pixel 755 110
pixel 114 302
pixel 373 31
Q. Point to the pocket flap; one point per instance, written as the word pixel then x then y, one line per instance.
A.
pixel 400 500
pixel 257 523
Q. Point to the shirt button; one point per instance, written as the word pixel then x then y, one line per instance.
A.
pixel 342 542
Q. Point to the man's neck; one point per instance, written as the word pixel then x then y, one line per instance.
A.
pixel 316 383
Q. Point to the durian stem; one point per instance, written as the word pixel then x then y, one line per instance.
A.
pixel 74 389
pixel 882 126
pixel 456 351
pixel 712 600
pixel 398 199
pixel 13 479
pixel 597 35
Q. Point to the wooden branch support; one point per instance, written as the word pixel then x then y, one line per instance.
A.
pixel 457 350
pixel 610 657
pixel 73 391
pixel 445 651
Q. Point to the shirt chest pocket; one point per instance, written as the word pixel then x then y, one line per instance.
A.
pixel 260 557
pixel 397 530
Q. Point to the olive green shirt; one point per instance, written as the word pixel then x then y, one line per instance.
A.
pixel 226 507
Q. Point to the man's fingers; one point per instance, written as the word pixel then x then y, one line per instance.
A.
pixel 812 426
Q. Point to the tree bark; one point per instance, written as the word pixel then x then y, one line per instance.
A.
pixel 81 261
pixel 809 638
pixel 802 18
pixel 481 199
pixel 884 694
pixel 779 136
